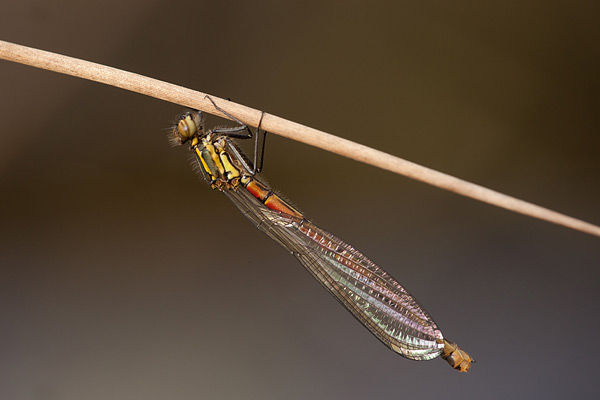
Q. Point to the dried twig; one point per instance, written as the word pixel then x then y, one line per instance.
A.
pixel 198 100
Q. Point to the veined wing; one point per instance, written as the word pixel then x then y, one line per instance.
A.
pixel 374 297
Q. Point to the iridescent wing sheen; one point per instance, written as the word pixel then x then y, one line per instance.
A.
pixel 374 297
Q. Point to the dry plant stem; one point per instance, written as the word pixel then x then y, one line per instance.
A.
pixel 198 100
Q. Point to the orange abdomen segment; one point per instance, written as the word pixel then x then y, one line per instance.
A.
pixel 270 199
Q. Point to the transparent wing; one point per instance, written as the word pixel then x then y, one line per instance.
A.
pixel 375 298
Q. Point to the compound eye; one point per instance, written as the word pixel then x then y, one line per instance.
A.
pixel 187 127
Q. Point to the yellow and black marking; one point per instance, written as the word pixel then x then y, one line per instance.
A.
pixel 216 163
pixel 222 169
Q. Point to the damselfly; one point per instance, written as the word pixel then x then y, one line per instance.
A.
pixel 375 298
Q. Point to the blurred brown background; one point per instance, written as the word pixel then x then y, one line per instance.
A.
pixel 123 276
